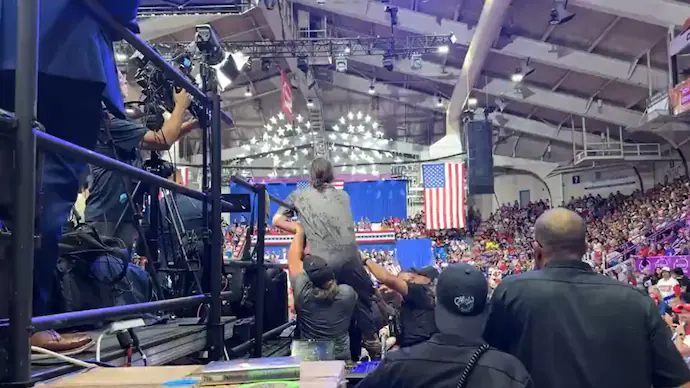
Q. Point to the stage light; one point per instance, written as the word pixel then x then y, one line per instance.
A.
pixel 388 62
pixel 517 77
pixel 265 64
pixel 372 89
pixel 416 62
pixel 472 102
pixel 247 92
pixel 392 11
pixel 303 63
pixel 310 103
pixel 559 13
pixel 341 64
pixel 439 102
pixel 443 49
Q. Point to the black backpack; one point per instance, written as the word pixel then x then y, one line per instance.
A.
pixel 82 282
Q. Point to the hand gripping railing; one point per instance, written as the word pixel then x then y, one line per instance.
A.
pixel 21 324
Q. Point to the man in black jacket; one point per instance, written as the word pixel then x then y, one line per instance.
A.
pixel 458 349
pixel 604 333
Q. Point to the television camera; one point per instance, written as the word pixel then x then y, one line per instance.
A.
pixel 159 90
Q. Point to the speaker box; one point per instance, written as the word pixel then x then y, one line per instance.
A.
pixel 480 159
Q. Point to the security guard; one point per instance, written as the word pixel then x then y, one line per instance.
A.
pixel 456 356
pixel 610 333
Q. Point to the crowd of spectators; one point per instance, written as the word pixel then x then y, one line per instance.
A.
pixel 619 227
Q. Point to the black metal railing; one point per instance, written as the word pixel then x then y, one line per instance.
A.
pixel 21 324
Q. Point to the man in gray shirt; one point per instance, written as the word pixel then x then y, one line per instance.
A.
pixel 324 308
pixel 325 214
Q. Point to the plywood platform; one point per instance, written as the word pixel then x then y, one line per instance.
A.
pixel 320 374
pixel 162 344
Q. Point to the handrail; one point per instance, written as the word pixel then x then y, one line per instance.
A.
pixel 252 187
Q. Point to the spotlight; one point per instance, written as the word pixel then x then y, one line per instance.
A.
pixel 393 12
pixel 208 43
pixel 439 102
pixel 443 49
pixel 416 62
pixel 388 62
pixel 310 103
pixel 517 77
pixel 372 89
pixel 265 64
pixel 303 64
pixel 560 14
pixel 247 92
pixel 341 64
pixel 472 102
pixel 500 103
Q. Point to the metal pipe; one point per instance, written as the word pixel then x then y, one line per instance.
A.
pixel 255 188
pixel 21 287
pixel 247 264
pixel 75 318
pixel 215 328
pixel 260 270
pixel 54 144
pixel 104 18
pixel 243 347
pixel 649 74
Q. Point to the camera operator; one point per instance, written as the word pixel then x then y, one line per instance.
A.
pixel 122 139
pixel 76 74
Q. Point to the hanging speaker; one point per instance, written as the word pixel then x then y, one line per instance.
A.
pixel 480 159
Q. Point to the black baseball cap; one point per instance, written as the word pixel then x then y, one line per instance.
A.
pixel 428 271
pixel 317 270
pixel 461 300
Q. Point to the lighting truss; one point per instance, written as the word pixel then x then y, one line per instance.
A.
pixel 330 47
pixel 150 8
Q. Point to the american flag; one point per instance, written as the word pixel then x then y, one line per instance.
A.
pixel 340 185
pixel 444 195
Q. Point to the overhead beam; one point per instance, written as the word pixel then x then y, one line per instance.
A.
pixel 520 47
pixel 156 27
pixel 528 127
pixel 486 32
pixel 282 29
pixel 659 12
pixel 538 97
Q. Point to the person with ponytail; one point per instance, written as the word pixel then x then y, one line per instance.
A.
pixel 324 213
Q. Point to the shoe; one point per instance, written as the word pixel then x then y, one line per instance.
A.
pixel 65 344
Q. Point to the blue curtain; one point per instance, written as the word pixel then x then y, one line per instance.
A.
pixel 280 190
pixel 378 199
pixel 413 253
pixel 373 200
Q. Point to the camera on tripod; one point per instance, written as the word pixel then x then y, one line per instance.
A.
pixel 158 166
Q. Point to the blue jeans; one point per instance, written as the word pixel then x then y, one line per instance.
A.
pixel 71 110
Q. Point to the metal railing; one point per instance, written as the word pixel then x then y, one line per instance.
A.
pixel 20 322
pixel 617 150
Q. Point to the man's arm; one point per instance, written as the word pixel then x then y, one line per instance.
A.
pixel 382 275
pixel 280 219
pixel 173 128
pixel 296 252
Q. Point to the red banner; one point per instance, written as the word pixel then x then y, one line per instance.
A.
pixel 286 95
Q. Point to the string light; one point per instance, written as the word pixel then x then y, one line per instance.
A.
pixel 352 141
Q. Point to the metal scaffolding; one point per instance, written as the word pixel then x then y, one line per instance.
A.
pixel 333 47
pixel 21 323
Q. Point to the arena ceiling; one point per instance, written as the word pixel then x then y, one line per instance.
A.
pixel 597 70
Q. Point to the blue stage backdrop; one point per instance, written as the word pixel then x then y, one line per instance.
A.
pixel 374 200
pixel 413 253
